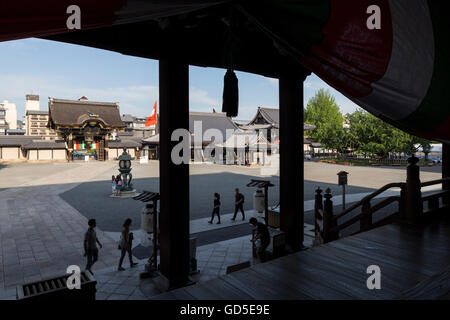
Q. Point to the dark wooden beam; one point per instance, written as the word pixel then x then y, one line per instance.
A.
pixel 291 159
pixel 174 179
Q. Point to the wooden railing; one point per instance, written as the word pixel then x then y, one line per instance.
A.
pixel 365 217
pixel 331 226
pixel 433 200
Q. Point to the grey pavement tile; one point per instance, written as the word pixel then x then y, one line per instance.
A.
pixel 216 259
pixel 125 289
pixel 108 288
pixel 117 297
pixel 30 271
pixel 8 293
pixel 25 254
pixel 34 278
pixel 27 262
pixel 13 281
pixel 102 295
pixel 214 265
pixel 148 289
pixel 136 297
pixel 211 271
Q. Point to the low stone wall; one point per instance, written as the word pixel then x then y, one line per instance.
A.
pixel 16 153
pixel 10 153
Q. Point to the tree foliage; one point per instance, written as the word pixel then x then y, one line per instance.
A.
pixel 363 132
pixel 323 112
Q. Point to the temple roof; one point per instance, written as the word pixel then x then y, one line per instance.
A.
pixel 267 118
pixel 217 121
pixel 77 112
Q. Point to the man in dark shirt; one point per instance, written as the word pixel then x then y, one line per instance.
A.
pixel 238 204
pixel 262 233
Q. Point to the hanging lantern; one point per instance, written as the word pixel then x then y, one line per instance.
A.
pixel 230 94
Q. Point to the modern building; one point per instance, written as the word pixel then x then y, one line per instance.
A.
pixel 32 102
pixel 3 124
pixel 10 114
pixel 36 125
pixel 136 126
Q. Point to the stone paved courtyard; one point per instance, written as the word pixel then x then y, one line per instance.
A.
pixel 41 233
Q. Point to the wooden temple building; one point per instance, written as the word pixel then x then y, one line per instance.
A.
pixel 283 42
pixel 84 122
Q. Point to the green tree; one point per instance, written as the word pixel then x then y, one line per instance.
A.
pixel 376 138
pixel 323 112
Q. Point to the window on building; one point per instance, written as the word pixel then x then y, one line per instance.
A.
pixel 2 121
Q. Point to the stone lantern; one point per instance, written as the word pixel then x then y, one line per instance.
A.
pixel 125 173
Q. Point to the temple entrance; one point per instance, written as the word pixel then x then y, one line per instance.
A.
pixel 85 126
pixel 95 150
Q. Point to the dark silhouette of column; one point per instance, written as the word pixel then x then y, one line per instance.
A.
pixel 174 179
pixel 291 159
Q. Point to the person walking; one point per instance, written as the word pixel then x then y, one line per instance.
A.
pixel 113 184
pixel 238 204
pixel 125 243
pixel 216 209
pixel 90 245
pixel 263 235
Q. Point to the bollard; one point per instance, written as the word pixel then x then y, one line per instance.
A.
pixel 414 205
pixel 328 221
pixel 402 203
pixel 318 208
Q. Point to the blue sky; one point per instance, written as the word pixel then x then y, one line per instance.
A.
pixel 52 69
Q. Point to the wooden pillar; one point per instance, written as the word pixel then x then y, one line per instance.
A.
pixel 70 148
pixel 106 148
pixel 174 179
pixel 446 170
pixel 291 159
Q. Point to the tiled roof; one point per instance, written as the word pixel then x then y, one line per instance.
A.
pixel 217 121
pixel 127 118
pixel 129 143
pixel 44 144
pixel 15 141
pixel 76 112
